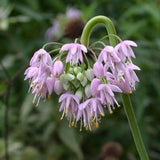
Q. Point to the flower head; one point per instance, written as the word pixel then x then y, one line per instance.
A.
pixel 74 52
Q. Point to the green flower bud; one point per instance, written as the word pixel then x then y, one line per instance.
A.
pixel 80 76
pixel 88 91
pixel 79 94
pixel 77 70
pixel 90 74
pixel 84 81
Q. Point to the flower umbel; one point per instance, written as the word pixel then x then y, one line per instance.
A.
pixel 86 83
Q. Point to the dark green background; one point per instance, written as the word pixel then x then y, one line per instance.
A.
pixel 37 133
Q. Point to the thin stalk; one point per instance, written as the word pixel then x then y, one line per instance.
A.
pixel 134 126
pixel 125 98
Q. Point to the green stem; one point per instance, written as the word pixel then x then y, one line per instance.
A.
pixel 134 126
pixel 125 98
pixel 91 23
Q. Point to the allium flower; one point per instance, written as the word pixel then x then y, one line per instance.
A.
pixel 89 113
pixel 41 57
pixel 41 80
pixel 124 50
pixel 107 96
pixel 98 70
pixel 69 106
pixel 108 55
pixel 74 52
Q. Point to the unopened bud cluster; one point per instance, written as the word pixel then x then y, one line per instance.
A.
pixel 85 89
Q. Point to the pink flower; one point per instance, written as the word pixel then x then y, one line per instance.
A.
pixel 124 50
pixel 107 95
pixel 58 68
pixel 94 87
pixel 41 79
pixel 109 56
pixel 41 57
pixel 74 52
pixel 90 112
pixel 98 70
pixel 69 105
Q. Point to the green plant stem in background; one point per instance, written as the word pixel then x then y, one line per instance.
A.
pixel 125 97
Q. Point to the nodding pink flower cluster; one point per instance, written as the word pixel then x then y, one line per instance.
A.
pixel 43 75
pixel 85 88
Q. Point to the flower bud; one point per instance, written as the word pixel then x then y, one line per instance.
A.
pixel 90 74
pixel 77 70
pixel 80 76
pixel 79 94
pixel 58 87
pixel 88 91
pixel 84 82
pixel 58 68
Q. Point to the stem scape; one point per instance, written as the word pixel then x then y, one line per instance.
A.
pixel 125 97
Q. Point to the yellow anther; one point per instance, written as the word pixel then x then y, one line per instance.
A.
pixel 44 100
pixel 102 114
pixel 39 94
pixel 86 128
pixel 110 111
pixel 80 130
pixel 36 105
pixel 66 111
pixel 33 102
pixel 91 115
pixel 49 96
pixel 129 92
pixel 69 126
pixel 72 124
pixel 96 125
pixel 118 106
pixel 61 118
pixel 114 108
pixel 100 78
pixel 105 107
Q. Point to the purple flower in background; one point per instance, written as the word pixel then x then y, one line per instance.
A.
pixel 74 52
pixel 107 96
pixel 69 105
pixel 73 13
pixel 58 87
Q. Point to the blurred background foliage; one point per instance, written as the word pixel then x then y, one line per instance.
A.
pixel 37 133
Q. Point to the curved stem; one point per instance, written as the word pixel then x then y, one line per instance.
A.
pixel 91 24
pixel 125 97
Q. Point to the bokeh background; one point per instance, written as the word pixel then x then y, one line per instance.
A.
pixel 37 133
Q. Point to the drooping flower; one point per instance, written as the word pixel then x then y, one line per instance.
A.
pixel 124 50
pixel 94 87
pixel 74 52
pixel 69 106
pixel 109 56
pixel 107 95
pixel 98 70
pixel 89 113
pixel 41 57
pixel 39 74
